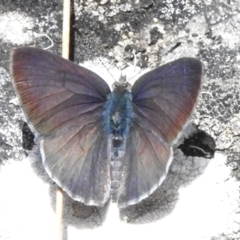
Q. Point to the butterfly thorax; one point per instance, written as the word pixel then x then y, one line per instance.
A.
pixel 117 117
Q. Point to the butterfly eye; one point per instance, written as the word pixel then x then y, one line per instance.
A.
pixel 115 85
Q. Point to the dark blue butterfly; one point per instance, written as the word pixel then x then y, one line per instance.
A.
pixel 96 143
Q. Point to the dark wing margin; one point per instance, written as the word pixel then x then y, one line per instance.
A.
pixel 146 162
pixel 63 103
pixel 164 98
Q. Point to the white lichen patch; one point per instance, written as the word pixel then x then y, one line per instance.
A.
pixel 14 28
pixel 229 32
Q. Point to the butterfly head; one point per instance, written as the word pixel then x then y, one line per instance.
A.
pixel 122 85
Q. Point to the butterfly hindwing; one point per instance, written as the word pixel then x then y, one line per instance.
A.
pixel 77 159
pixel 146 164
pixel 63 103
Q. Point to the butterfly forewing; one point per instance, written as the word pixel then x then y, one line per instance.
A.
pixel 164 98
pixel 56 93
pixel 63 103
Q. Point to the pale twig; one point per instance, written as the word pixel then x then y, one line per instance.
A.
pixel 65 54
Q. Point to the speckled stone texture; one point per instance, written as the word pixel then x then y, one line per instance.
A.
pixel 200 197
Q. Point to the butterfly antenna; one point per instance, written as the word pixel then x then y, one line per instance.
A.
pixel 136 71
pixel 105 66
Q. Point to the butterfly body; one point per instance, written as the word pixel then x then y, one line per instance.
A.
pixel 117 117
pixel 96 143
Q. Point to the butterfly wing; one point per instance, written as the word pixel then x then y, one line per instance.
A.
pixel 77 160
pixel 145 163
pixel 163 100
pixel 63 103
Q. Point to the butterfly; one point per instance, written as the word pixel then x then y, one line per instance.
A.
pixel 98 144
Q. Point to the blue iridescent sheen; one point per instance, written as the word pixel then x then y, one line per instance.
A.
pixel 117 117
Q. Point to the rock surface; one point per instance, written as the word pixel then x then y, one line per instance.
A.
pixel 200 197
